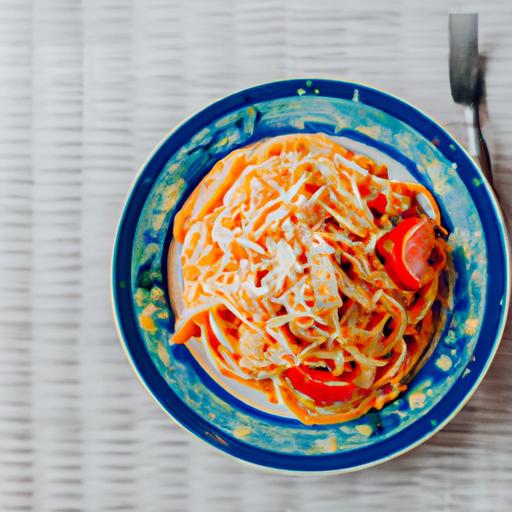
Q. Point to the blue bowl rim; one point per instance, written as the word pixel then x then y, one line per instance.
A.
pixel 359 458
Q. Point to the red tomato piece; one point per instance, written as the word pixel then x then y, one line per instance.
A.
pixel 379 203
pixel 364 190
pixel 406 250
pixel 315 384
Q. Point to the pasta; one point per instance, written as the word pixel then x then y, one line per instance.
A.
pixel 312 277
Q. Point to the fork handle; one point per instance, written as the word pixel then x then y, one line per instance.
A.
pixel 476 142
pixel 484 156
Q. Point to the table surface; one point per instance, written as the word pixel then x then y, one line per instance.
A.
pixel 87 88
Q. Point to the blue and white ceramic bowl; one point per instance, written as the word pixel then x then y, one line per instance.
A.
pixel 402 133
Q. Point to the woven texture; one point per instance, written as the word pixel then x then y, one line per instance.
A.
pixel 87 88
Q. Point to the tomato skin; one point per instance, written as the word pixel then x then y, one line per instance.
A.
pixel 406 250
pixel 313 383
pixel 379 203
pixel 364 190
pixel 410 212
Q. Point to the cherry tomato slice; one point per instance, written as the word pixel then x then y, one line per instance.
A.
pixel 315 384
pixel 406 250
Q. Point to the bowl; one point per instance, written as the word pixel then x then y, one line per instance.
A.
pixel 241 427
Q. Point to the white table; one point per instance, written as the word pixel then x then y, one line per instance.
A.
pixel 87 88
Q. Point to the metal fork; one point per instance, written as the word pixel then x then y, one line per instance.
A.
pixel 466 83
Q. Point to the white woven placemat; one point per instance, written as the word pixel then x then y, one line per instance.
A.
pixel 87 88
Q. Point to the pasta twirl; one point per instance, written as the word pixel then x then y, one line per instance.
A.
pixel 311 276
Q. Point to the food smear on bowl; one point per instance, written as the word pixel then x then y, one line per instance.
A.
pixel 309 275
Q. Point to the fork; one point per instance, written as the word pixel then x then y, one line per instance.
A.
pixel 466 83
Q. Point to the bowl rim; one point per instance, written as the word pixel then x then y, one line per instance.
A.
pixel 296 84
